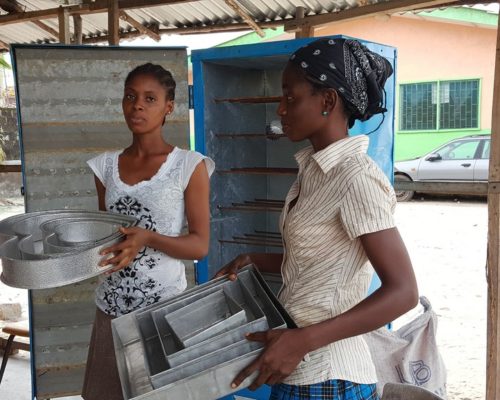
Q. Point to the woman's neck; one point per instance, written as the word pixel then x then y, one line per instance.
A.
pixel 320 142
pixel 144 145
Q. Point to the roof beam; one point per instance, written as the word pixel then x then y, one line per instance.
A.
pixel 186 30
pixel 99 6
pixel 140 27
pixel 46 28
pixel 4 46
pixel 10 6
pixel 246 17
pixel 386 7
pixel 13 6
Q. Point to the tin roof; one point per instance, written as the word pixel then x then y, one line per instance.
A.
pixel 36 21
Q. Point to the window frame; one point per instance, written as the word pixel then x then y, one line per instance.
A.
pixel 438 108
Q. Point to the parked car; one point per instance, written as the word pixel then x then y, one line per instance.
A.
pixel 464 159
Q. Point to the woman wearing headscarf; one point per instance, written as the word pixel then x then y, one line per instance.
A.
pixel 336 224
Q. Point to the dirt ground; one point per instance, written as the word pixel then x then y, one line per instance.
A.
pixel 447 243
pixel 446 240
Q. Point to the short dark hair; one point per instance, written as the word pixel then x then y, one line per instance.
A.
pixel 163 76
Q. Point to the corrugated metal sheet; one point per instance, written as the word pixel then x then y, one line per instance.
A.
pixel 185 15
pixel 70 108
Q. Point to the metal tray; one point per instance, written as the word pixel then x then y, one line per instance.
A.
pixel 257 322
pixel 136 384
pixel 238 292
pixel 143 367
pixel 216 343
pixel 205 362
pixel 64 235
pixel 154 343
pixel 28 264
pixel 205 318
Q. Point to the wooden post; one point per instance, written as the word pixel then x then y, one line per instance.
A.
pixel 113 23
pixel 63 17
pixel 493 262
pixel 77 23
pixel 304 31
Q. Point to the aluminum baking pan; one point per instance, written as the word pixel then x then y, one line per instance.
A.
pixel 216 343
pixel 146 328
pixel 250 276
pixel 26 264
pixel 76 231
pixel 205 362
pixel 29 224
pixel 275 318
pixel 155 346
pixel 139 352
pixel 205 318
pixel 210 384
pixel 77 234
pixel 261 283
pixel 28 228
pixel 83 231
pixel 174 356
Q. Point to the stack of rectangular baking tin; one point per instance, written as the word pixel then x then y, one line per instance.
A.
pixel 193 345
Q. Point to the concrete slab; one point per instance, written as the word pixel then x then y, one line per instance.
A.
pixel 16 382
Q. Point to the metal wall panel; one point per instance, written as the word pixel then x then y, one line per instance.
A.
pixel 69 102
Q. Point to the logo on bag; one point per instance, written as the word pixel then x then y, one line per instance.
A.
pixel 419 372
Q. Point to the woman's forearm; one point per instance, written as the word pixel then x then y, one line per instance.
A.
pixel 187 247
pixel 267 262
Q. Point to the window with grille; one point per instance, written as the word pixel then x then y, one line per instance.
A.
pixel 440 105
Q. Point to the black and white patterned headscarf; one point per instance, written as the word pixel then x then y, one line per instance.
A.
pixel 355 72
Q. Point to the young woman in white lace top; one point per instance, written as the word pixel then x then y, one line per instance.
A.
pixel 163 187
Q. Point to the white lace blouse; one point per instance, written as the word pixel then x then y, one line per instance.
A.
pixel 158 204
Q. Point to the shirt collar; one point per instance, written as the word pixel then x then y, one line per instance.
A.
pixel 331 155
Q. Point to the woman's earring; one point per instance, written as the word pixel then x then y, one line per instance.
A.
pixel 324 113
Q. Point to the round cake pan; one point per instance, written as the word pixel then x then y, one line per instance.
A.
pixel 48 249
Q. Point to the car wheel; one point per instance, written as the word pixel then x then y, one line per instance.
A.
pixel 403 195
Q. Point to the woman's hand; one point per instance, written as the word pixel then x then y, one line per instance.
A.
pixel 126 251
pixel 285 349
pixel 231 269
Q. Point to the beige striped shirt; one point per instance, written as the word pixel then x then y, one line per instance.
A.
pixel 342 194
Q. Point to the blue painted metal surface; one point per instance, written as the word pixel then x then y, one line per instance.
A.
pixel 261 393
